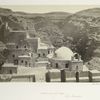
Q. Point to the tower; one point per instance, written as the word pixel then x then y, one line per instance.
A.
pixel 33 41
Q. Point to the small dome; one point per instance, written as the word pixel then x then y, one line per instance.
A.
pixel 63 53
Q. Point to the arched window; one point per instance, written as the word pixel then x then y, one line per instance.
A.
pixel 76 56
pixel 56 65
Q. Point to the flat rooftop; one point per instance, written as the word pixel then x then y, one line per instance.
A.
pixel 9 65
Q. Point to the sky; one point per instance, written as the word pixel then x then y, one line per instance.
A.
pixel 49 8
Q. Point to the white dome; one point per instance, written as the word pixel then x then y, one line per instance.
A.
pixel 63 53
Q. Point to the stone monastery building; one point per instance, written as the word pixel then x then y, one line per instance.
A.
pixel 64 58
pixel 30 52
pixel 27 51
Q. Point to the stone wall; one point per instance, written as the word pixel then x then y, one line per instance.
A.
pixel 9 70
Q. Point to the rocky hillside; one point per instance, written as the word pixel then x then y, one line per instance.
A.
pixel 43 25
pixel 79 31
pixel 83 28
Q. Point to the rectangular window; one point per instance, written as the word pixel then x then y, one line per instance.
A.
pixel 56 65
pixel 43 54
pixel 38 55
pixel 24 46
pixel 13 56
pixel 0 67
pixel 22 61
pixel 66 65
pixel 25 63
pixel 15 62
pixel 10 71
pixel 48 51
pixel 17 47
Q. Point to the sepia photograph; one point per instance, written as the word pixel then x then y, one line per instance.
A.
pixel 50 43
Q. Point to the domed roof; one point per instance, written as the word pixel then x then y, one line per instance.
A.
pixel 63 53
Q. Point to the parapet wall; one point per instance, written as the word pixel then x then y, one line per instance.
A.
pixel 17 78
pixel 71 76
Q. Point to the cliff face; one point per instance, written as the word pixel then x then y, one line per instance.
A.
pixel 79 31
